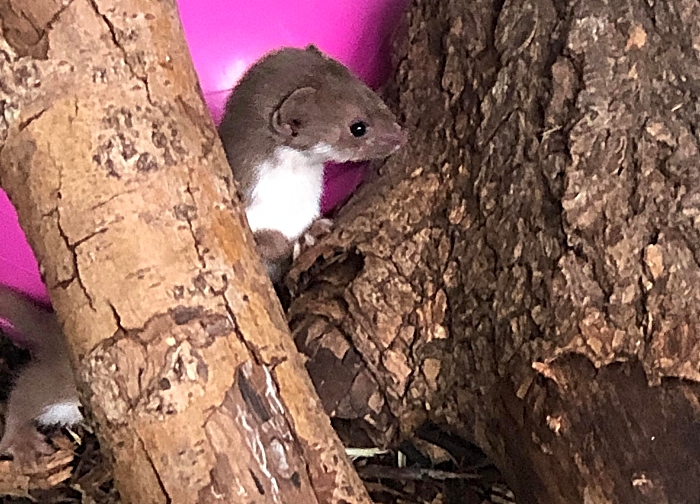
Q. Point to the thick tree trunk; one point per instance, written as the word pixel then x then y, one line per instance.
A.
pixel 528 271
pixel 180 347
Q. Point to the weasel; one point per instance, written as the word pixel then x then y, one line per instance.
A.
pixel 44 391
pixel 291 112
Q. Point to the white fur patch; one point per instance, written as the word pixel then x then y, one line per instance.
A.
pixel 287 197
pixel 62 413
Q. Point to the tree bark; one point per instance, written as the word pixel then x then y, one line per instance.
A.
pixel 177 340
pixel 527 272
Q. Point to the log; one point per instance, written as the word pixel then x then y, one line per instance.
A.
pixel 179 345
pixel 527 272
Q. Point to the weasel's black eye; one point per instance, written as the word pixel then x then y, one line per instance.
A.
pixel 358 129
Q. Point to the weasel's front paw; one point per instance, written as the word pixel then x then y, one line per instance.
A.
pixel 318 229
pixel 26 445
pixel 272 245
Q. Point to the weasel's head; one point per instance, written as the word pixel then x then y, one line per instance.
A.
pixel 337 116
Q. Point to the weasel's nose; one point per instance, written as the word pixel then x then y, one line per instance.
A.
pixel 396 138
pixel 402 134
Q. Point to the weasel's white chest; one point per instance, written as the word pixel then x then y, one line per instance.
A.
pixel 287 196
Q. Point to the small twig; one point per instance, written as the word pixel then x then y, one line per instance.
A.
pixel 411 473
pixel 355 453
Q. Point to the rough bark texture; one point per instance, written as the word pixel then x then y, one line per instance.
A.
pixel 179 344
pixel 528 272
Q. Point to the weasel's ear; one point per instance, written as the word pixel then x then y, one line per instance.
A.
pixel 313 49
pixel 290 115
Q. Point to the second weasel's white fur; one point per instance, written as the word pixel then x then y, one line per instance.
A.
pixel 61 413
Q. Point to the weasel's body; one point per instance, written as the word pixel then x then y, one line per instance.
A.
pixel 44 390
pixel 293 111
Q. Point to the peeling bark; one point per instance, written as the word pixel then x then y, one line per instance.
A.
pixel 527 272
pixel 179 345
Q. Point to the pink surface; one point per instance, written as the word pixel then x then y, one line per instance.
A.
pixel 18 267
pixel 226 37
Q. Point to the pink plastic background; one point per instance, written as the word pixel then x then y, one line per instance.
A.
pixel 227 36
